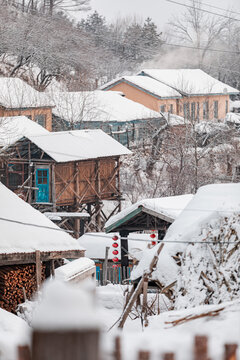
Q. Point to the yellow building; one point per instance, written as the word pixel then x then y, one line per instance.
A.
pixel 190 93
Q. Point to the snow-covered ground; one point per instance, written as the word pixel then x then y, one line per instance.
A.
pixel 160 337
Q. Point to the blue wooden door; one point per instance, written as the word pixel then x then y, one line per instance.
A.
pixel 42 183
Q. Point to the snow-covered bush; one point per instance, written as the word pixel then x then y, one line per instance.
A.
pixel 210 269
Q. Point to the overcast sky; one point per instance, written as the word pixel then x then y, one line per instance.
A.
pixel 159 10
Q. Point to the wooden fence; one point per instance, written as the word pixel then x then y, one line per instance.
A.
pixel 87 348
pixel 114 275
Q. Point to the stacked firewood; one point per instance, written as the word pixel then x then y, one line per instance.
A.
pixel 17 283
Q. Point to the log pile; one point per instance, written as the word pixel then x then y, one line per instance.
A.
pixel 17 283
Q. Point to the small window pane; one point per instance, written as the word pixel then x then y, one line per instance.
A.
pixel 40 119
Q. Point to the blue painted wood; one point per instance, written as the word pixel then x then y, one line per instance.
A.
pixel 42 183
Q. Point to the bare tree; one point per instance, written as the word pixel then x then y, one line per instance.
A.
pixel 198 29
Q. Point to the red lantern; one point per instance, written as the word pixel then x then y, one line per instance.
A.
pixel 115 245
pixel 115 238
pixel 152 236
pixel 115 259
pixel 154 242
pixel 115 252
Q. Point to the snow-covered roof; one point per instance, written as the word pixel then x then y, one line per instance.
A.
pixel 64 146
pixel 17 237
pixel 74 268
pixel 15 93
pixel 168 207
pixel 96 243
pixel 15 127
pixel 190 81
pixel 209 203
pixel 148 84
pixel 99 106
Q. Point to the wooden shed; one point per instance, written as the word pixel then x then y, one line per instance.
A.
pixel 30 248
pixel 66 171
pixel 148 214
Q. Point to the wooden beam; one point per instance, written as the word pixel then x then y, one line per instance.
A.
pixel 53 187
pixel 26 258
pixel 38 269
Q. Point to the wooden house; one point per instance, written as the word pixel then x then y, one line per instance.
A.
pixel 30 247
pixel 145 215
pixel 65 171
pixel 190 93
pixel 125 120
pixel 17 98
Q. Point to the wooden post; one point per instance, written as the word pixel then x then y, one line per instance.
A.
pixel 144 306
pixel 169 356
pixel 143 355
pixel 117 351
pixel 52 267
pixel 38 269
pixel 201 348
pixel 65 345
pixel 24 353
pixel 29 173
pixel 230 352
pixel 53 188
pixel 76 228
pixel 124 252
pixel 81 227
pixel 105 265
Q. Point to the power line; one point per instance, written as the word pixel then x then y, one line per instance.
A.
pixel 34 225
pixel 203 10
pixel 201 48
pixel 163 241
pixel 219 8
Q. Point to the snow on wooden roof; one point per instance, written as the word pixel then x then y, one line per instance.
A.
pixel 96 243
pixel 167 208
pixel 148 84
pixel 74 268
pixel 64 146
pixel 210 203
pixel 190 81
pixel 15 93
pixel 17 237
pixel 15 127
pixel 99 106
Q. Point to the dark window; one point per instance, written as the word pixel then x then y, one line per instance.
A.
pixel 171 108
pixel 193 111
pixel 238 170
pixel 198 111
pixel 40 119
pixel 226 106
pixel 186 110
pixel 15 175
pixel 162 108
pixel 206 110
pixel 42 176
pixel 215 109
